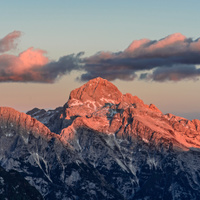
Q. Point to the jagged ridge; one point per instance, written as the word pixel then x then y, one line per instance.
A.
pixel 100 106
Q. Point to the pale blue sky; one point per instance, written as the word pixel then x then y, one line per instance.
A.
pixel 63 27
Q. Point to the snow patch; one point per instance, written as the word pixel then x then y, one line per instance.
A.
pixel 145 140
pixel 107 100
pixel 9 134
pixel 79 144
pixel 151 161
pixel 37 159
pixel 89 103
pixel 76 103
pixel 121 164
pixel 1 180
pixel 26 139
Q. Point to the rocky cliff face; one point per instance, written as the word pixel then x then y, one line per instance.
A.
pixel 103 145
pixel 13 186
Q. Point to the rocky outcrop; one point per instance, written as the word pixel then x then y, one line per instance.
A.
pixel 13 186
pixel 51 118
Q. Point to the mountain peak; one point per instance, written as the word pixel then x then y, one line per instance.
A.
pixel 99 90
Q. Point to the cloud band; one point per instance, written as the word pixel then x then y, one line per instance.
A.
pixel 172 58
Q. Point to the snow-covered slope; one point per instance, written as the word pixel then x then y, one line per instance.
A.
pixel 103 145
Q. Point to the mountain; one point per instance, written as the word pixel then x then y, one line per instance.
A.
pixel 103 144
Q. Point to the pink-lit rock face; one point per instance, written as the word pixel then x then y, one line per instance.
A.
pixel 100 106
pixel 22 123
pixel 92 96
pixel 99 91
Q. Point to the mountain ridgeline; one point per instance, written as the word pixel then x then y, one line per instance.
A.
pixel 103 145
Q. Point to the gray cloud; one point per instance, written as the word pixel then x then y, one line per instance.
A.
pixel 56 69
pixel 173 50
pixel 109 75
pixel 173 73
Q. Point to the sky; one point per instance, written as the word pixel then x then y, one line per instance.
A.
pixel 150 49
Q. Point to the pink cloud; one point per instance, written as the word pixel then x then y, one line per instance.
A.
pixel 137 44
pixel 170 40
pixel 166 46
pixel 33 58
pixel 9 41
pixel 26 64
pixel 32 65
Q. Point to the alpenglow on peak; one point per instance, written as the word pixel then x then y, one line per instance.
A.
pixel 98 90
